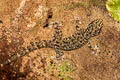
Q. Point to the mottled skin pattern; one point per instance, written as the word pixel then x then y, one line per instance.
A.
pixel 59 44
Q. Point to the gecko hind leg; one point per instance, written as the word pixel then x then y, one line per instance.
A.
pixel 59 54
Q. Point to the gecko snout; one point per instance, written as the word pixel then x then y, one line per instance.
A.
pixel 95 27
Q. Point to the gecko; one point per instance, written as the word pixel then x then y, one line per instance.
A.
pixel 75 41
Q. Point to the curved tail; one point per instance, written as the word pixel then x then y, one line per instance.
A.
pixel 26 50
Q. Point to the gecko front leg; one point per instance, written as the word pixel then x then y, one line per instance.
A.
pixel 57 39
pixel 79 30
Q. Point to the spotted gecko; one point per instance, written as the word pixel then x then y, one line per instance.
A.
pixel 60 44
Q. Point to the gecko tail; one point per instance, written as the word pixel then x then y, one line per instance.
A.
pixel 26 50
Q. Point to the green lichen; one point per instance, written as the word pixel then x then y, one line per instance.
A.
pixel 113 6
pixel 68 78
pixel 65 68
pixel 49 67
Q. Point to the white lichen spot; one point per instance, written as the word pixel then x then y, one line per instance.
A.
pixel 95 49
pixel 39 11
pixel 19 12
pixel 9 40
pixel 32 24
pixel 19 9
pixel 9 60
pixel 50 25
pixel 93 52
pixel 18 55
pixel 78 19
pixel 1 65
pixel 52 57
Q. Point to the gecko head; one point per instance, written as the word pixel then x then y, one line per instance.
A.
pixel 94 28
